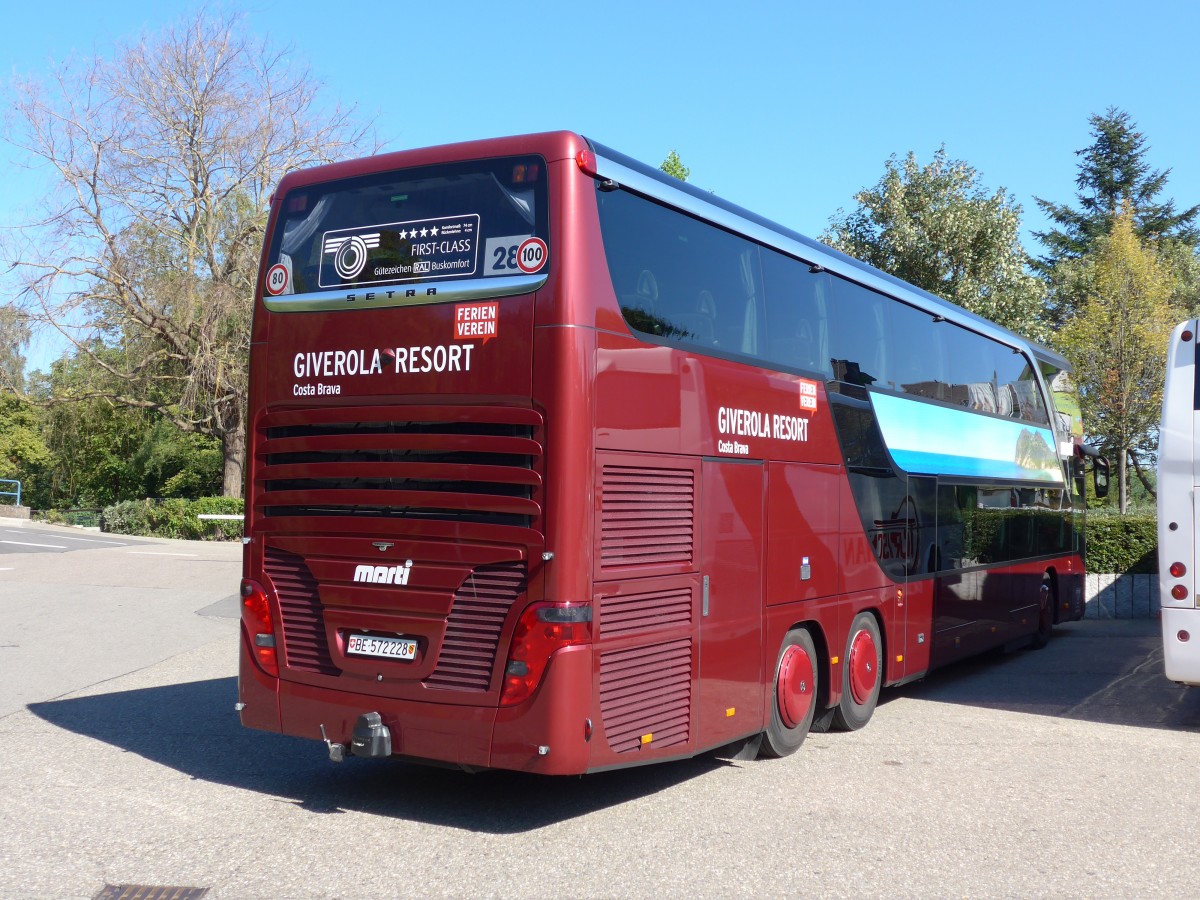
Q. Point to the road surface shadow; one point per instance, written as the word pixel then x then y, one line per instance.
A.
pixel 193 729
pixel 1107 671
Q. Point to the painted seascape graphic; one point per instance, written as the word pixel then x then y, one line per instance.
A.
pixel 924 438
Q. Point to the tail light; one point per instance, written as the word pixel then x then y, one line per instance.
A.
pixel 256 617
pixel 586 160
pixel 1178 570
pixel 542 629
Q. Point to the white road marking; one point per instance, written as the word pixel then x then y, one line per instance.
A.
pixel 151 553
pixel 67 537
pixel 28 544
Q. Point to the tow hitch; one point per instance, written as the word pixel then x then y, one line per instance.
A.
pixel 371 738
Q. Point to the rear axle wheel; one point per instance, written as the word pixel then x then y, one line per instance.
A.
pixel 794 696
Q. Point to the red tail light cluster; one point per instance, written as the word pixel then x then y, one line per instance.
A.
pixel 256 617
pixel 542 629
pixel 1179 591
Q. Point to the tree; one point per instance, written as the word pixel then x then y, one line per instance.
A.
pixel 102 453
pixel 1117 343
pixel 14 332
pixel 23 454
pixel 674 167
pixel 1113 175
pixel 164 160
pixel 937 227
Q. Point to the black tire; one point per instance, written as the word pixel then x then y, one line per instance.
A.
pixel 793 696
pixel 823 721
pixel 1047 605
pixel 862 675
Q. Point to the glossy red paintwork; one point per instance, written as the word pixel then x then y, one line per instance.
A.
pixel 775 531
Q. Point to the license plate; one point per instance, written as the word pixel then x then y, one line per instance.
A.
pixel 385 647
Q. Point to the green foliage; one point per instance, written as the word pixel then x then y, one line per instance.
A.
pixel 674 167
pixel 175 518
pixel 1114 174
pixel 1117 340
pixel 937 227
pixel 104 452
pixel 1122 545
pixel 24 456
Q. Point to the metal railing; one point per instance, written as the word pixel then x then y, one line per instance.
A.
pixel 16 493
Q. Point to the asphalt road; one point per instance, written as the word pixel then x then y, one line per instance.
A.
pixel 1065 772
pixel 26 539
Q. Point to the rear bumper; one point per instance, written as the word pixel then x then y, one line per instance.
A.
pixel 546 734
pixel 1181 660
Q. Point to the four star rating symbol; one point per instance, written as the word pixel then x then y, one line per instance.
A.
pixel 424 232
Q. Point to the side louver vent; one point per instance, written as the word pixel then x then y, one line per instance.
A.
pixel 481 604
pixel 647 516
pixel 623 614
pixel 305 645
pixel 646 696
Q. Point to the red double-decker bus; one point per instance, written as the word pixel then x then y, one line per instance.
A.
pixel 558 464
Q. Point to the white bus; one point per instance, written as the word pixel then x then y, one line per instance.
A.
pixel 1178 477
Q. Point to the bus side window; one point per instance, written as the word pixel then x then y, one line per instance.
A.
pixel 797 328
pixel 858 345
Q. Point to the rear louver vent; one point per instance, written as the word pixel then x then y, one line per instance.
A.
pixel 305 645
pixel 454 463
pixel 634 613
pixel 646 695
pixel 647 516
pixel 481 605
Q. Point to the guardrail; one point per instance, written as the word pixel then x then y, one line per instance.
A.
pixel 16 493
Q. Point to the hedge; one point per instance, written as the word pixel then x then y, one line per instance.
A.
pixel 175 518
pixel 1116 544
pixel 1122 545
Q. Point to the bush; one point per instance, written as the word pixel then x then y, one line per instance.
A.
pixel 175 518
pixel 1122 545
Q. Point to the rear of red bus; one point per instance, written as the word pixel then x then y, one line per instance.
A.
pixel 407 590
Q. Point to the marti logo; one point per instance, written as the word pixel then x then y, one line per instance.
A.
pixel 383 574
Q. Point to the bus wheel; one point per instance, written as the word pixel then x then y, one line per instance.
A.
pixel 862 675
pixel 1046 605
pixel 795 696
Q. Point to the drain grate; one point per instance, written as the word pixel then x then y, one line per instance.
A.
pixel 149 892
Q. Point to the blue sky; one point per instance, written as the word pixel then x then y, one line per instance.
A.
pixel 786 108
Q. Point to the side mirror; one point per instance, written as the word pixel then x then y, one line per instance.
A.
pixel 1100 476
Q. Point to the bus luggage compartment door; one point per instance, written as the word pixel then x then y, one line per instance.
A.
pixel 729 696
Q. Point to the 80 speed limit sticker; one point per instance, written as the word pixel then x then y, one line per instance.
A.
pixel 277 279
pixel 531 255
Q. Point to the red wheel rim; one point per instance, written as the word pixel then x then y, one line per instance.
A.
pixel 864 666
pixel 794 687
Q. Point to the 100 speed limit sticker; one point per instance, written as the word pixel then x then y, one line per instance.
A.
pixel 531 255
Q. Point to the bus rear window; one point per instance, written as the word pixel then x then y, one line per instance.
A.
pixel 463 220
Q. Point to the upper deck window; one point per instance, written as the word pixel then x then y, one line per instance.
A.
pixel 680 280
pixel 453 221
